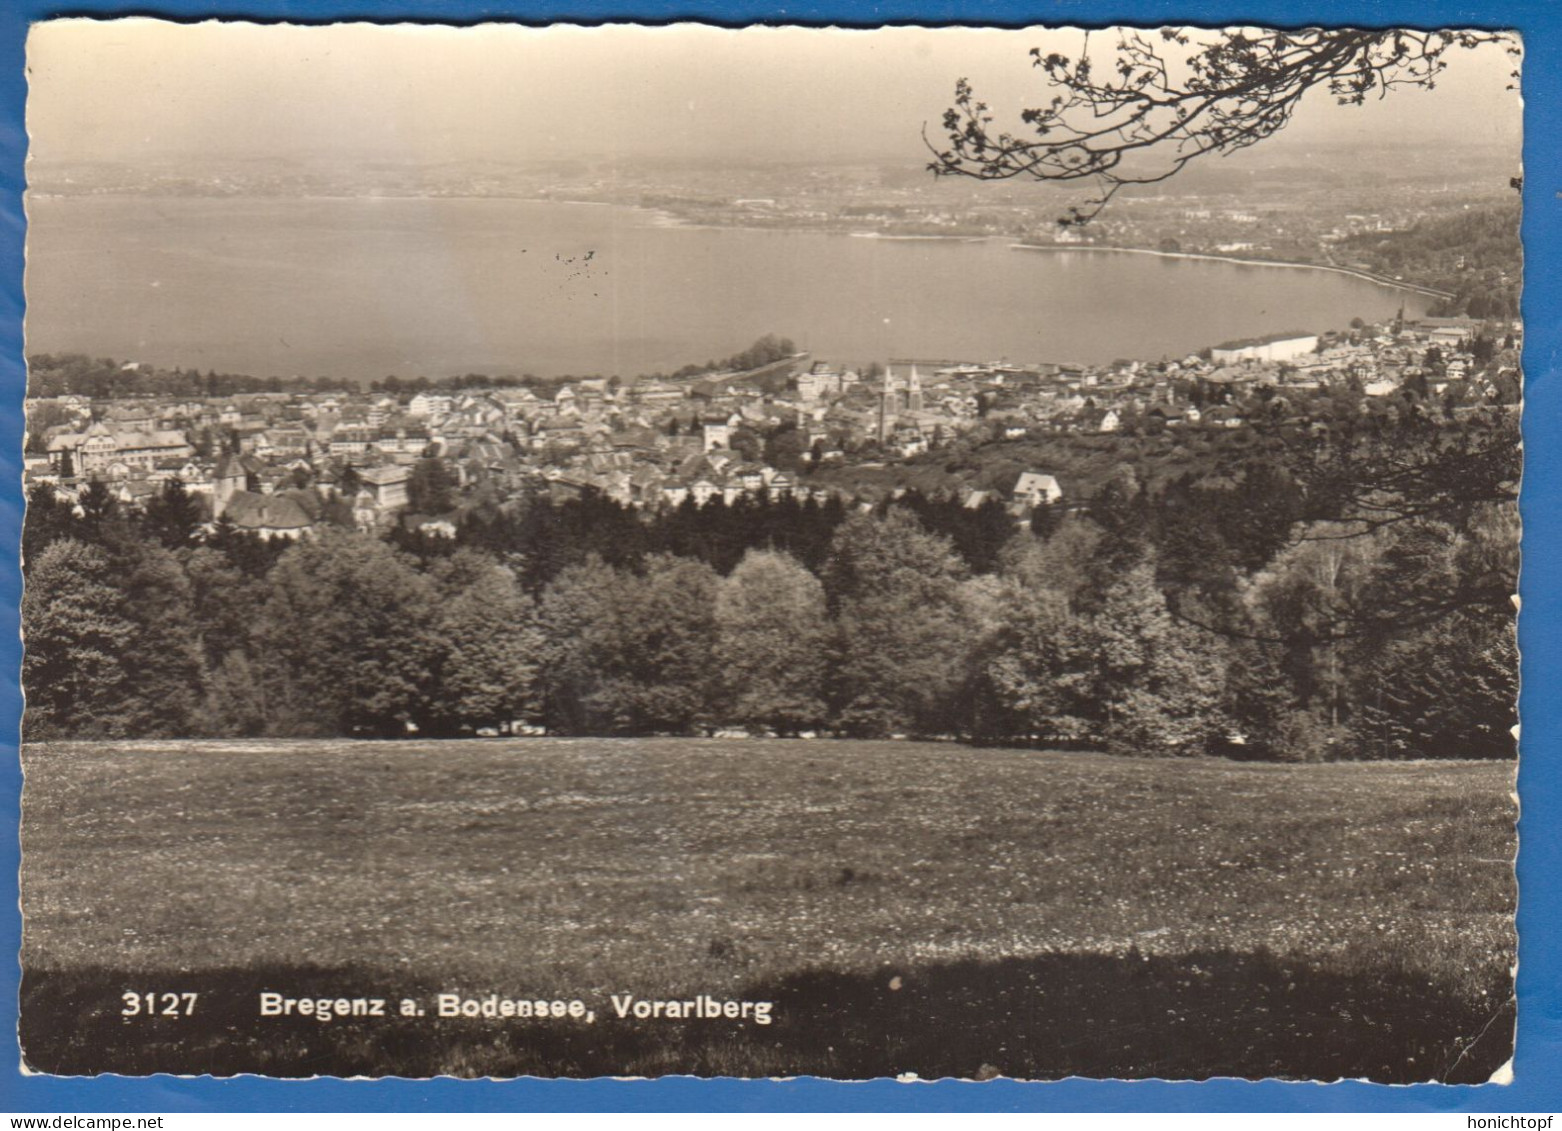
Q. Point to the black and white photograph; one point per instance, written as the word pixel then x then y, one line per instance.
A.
pixel 628 551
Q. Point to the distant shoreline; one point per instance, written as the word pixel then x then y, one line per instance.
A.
pixel 1354 272
pixel 666 218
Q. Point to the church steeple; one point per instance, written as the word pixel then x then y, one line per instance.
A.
pixel 889 403
pixel 228 480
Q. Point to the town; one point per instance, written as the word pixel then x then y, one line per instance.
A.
pixel 416 453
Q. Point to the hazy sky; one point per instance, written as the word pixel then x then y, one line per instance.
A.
pixel 123 90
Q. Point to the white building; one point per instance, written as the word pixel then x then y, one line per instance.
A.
pixel 1036 488
pixel 429 404
pixel 1270 347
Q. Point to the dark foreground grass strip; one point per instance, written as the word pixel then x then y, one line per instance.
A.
pixel 1187 1017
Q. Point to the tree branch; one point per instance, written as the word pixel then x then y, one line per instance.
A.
pixel 1141 126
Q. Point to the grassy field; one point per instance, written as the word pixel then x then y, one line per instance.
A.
pixel 906 907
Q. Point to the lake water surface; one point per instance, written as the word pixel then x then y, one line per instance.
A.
pixel 362 288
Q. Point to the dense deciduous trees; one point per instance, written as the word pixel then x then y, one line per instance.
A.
pixel 1364 612
pixel 163 655
pixel 346 638
pixel 1037 667
pixel 772 641
pixel 662 667
pixel 900 631
pixel 626 653
pixel 173 517
pixel 578 617
pixel 484 668
pixel 1156 684
pixel 1472 254
pixel 431 489
pixel 77 633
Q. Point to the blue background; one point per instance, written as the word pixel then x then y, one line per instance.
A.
pixel 1538 1066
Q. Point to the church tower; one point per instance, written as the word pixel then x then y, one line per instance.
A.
pixel 889 404
pixel 228 481
pixel 914 390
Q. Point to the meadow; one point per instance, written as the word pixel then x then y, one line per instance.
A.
pixel 905 907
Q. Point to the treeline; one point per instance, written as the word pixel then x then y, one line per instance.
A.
pixel 540 541
pixel 1475 255
pixel 76 374
pixel 56 375
pixel 766 350
pixel 1351 605
pixel 394 386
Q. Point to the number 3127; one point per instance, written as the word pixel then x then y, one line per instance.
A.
pixel 157 1004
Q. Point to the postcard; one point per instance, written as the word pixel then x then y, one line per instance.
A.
pixel 629 551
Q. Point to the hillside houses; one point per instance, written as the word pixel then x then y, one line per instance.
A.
pixel 1036 489
pixel 269 514
pixel 113 451
pixel 284 462
pixel 386 487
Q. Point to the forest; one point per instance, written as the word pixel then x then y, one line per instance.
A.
pixel 1474 255
pixel 1336 596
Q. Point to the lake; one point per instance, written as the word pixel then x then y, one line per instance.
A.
pixel 363 288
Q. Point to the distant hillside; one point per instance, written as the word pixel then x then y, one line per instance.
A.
pixel 1475 254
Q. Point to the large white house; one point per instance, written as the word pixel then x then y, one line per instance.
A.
pixel 100 447
pixel 1035 489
